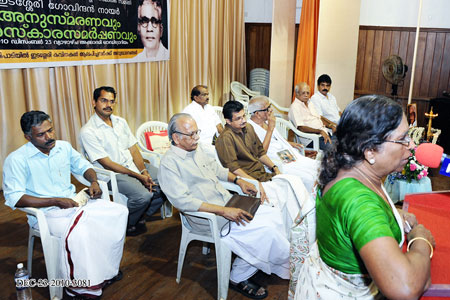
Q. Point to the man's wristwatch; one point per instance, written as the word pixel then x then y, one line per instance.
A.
pixel 273 168
pixel 236 179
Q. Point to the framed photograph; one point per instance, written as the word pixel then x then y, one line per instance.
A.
pixel 411 114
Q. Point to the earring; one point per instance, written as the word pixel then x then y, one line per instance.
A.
pixel 371 161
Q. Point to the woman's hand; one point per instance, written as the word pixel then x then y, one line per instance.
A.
pixel 420 231
pixel 409 220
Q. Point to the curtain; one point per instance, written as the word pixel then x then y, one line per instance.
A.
pixel 207 46
pixel 305 58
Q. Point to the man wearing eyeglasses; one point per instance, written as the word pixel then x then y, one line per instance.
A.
pixel 305 117
pixel 279 150
pixel 190 180
pixel 206 118
pixel 150 29
pixel 108 143
pixel 240 150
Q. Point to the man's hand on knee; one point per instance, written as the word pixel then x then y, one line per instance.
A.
pixel 65 203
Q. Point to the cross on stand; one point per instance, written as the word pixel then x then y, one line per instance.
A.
pixel 430 117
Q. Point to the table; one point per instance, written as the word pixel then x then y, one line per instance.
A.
pixel 433 211
pixel 401 187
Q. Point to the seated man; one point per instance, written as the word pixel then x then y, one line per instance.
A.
pixel 240 150
pixel 190 179
pixel 108 143
pixel 325 103
pixel 279 150
pixel 304 116
pixel 38 175
pixel 206 118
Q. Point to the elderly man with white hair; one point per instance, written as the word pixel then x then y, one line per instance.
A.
pixel 190 179
pixel 279 150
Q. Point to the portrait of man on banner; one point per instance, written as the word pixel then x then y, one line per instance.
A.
pixel 153 30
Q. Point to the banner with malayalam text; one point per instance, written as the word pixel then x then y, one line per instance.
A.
pixel 48 33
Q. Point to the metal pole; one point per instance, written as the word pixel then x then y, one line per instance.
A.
pixel 413 70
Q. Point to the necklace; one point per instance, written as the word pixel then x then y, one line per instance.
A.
pixel 376 189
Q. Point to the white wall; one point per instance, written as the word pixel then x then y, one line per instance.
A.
pixel 338 46
pixel 403 13
pixel 261 11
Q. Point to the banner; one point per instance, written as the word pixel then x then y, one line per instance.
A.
pixel 47 33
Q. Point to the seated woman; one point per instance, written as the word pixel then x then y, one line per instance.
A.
pixel 359 231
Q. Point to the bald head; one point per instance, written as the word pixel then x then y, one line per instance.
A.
pixel 302 91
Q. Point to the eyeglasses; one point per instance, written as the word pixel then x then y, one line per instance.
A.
pixel 192 135
pixel 265 109
pixel 405 141
pixel 144 21
pixel 106 101
pixel 204 94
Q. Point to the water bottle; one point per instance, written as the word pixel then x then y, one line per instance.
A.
pixel 22 278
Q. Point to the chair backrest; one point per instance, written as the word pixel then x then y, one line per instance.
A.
pixel 149 126
pixel 279 107
pixel 242 93
pixel 283 126
pixel 219 112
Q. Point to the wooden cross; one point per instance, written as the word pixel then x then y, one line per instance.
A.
pixel 430 117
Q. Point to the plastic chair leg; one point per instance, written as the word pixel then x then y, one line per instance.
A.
pixel 223 260
pixel 183 246
pixel 30 251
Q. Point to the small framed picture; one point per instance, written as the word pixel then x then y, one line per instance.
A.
pixel 412 115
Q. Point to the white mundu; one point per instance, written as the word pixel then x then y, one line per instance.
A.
pixel 304 167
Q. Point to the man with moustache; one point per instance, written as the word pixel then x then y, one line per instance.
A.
pixel 150 29
pixel 108 143
pixel 240 150
pixel 190 179
pixel 206 118
pixel 324 102
pixel 38 175
pixel 305 117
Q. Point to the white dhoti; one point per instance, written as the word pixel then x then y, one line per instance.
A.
pixel 91 240
pixel 288 194
pixel 259 245
pixel 304 167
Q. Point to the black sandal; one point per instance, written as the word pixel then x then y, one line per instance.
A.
pixel 249 288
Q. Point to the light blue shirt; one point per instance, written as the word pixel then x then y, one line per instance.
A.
pixel 29 171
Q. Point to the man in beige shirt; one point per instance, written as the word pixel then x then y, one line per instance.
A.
pixel 190 179
pixel 304 116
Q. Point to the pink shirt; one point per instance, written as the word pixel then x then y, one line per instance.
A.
pixel 302 115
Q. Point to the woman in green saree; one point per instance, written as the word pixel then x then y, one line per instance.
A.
pixel 359 231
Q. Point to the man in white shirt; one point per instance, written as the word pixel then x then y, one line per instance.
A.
pixel 190 180
pixel 38 175
pixel 150 29
pixel 206 118
pixel 279 150
pixel 324 102
pixel 108 143
pixel 305 117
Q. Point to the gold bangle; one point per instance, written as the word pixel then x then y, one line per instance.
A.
pixel 423 239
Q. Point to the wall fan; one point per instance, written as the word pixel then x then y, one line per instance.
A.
pixel 394 71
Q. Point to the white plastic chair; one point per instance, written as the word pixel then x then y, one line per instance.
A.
pixel 223 253
pixel 279 107
pixel 50 244
pixel 218 110
pixel 242 93
pixel 283 127
pixel 150 126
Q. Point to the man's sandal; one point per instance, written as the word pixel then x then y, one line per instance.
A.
pixel 248 288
